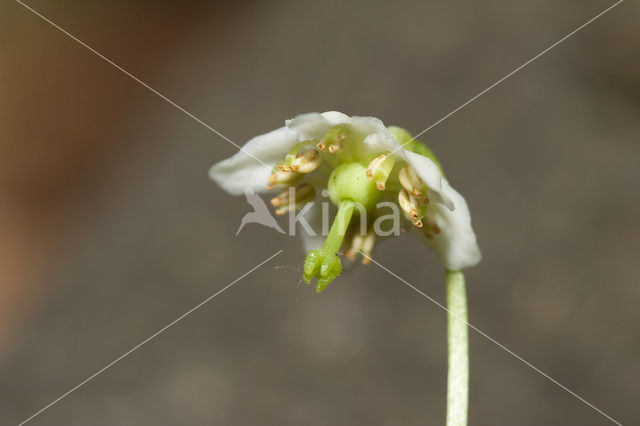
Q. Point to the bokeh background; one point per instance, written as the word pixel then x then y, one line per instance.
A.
pixel 110 227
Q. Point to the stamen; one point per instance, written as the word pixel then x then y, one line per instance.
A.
pixel 413 208
pixel 281 178
pixel 293 198
pixel 303 162
pixel 410 181
pixel 362 244
pixel 380 169
pixel 336 147
pixel 367 247
pixel 356 242
pixel 333 141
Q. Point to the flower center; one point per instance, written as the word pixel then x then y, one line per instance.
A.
pixel 357 181
pixel 349 182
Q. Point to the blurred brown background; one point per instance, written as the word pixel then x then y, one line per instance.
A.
pixel 110 227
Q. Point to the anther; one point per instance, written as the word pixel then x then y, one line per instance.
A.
pixel 293 198
pixel 336 147
pixel 380 169
pixel 282 178
pixel 410 181
pixel 362 244
pixel 303 162
pixel 412 207
pixel 334 140
pixel 356 242
pixel 367 247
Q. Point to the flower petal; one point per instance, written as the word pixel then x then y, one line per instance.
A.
pixel 315 125
pixel 243 170
pixel 456 243
pixel 311 125
pixel 335 117
pixel 376 136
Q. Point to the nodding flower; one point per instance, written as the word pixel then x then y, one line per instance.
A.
pixel 360 162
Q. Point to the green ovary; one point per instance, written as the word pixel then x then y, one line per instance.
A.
pixel 349 182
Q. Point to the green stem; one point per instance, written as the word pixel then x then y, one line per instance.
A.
pixel 339 227
pixel 458 346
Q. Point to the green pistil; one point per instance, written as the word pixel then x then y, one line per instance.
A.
pixel 324 263
pixel 339 227
pixel 349 182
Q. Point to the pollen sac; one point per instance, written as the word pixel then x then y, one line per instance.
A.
pixel 334 140
pixel 410 181
pixel 303 162
pixel 362 244
pixel 379 170
pixel 412 207
pixel 280 178
pixel 293 198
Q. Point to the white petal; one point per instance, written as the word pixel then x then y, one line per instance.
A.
pixel 335 117
pixel 315 126
pixel 377 137
pixel 456 243
pixel 242 170
pixel 310 126
pixel 431 175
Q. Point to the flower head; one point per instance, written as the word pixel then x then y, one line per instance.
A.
pixel 360 162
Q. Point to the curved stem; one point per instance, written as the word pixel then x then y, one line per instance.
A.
pixel 339 227
pixel 458 346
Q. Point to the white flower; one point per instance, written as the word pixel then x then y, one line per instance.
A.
pixel 328 150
